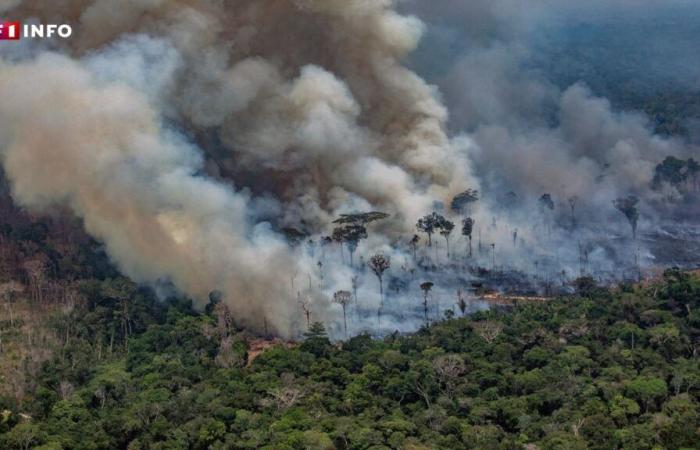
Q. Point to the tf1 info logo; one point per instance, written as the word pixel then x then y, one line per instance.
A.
pixel 14 31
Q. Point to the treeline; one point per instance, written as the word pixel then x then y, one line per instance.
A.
pixel 599 370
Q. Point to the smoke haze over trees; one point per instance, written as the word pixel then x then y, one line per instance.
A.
pixel 197 139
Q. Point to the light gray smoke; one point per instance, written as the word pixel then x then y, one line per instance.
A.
pixel 186 133
pixel 144 120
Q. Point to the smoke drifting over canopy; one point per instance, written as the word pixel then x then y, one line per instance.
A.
pixel 186 132
pixel 309 95
pixel 536 133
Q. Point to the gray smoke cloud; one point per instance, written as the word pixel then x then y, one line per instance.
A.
pixel 185 133
pixel 144 122
pixel 533 129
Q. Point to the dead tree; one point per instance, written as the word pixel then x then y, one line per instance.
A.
pixel 35 269
pixel 488 330
pixel 448 369
pixel 8 292
pixel 288 394
pixel 306 308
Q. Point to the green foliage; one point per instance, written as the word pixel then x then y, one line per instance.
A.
pixel 316 340
pixel 604 369
pixel 647 389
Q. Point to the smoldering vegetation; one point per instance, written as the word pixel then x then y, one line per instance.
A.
pixel 278 155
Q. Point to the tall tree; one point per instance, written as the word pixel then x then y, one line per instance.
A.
pixel 361 218
pixel 462 202
pixel 294 236
pixel 510 200
pixel 306 308
pixel 446 228
pixel 355 280
pixel 8 292
pixel 428 224
pixel 343 298
pixel 338 237
pixel 672 170
pixel 351 235
pixel 426 287
pixel 461 302
pixel 467 230
pixel 546 202
pixel 572 205
pixel 546 207
pixel 628 207
pixel 316 340
pixel 379 264
pixel 325 242
pixel 414 243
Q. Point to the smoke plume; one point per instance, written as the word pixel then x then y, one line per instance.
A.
pixel 187 133
pixel 145 120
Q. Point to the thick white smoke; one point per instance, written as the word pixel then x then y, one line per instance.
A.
pixel 184 132
pixel 529 135
pixel 101 149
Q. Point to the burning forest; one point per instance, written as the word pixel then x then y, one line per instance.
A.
pixel 324 161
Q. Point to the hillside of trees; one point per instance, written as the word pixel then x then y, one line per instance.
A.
pixel 605 368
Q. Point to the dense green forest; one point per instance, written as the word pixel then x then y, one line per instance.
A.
pixel 602 369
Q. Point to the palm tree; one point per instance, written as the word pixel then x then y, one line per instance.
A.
pixel 343 298
pixel 380 264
